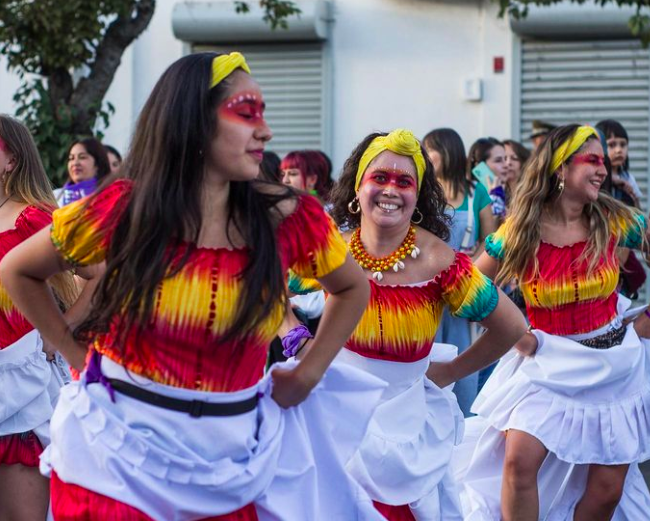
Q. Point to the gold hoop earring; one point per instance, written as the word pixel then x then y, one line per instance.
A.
pixel 354 207
pixel 421 217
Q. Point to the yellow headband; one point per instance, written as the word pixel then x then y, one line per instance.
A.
pixel 224 65
pixel 571 145
pixel 400 141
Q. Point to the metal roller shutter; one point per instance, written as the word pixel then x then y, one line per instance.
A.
pixel 585 82
pixel 291 77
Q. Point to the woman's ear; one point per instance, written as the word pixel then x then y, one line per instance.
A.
pixel 11 163
pixel 310 181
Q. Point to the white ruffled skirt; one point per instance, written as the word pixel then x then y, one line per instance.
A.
pixel 29 387
pixel 404 456
pixel 585 405
pixel 175 467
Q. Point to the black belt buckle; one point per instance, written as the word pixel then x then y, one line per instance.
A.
pixel 196 408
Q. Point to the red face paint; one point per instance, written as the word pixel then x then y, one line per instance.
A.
pixel 588 159
pixel 243 107
pixel 398 179
pixel 3 145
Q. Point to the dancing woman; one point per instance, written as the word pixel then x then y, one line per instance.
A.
pixel 387 195
pixel 29 385
pixel 170 420
pixel 577 392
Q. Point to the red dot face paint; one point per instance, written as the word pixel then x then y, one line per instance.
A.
pixel 401 180
pixel 588 159
pixel 243 107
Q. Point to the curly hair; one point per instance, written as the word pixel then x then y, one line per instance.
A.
pixel 431 199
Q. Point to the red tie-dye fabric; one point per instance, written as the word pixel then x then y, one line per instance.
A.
pixel 183 346
pixel 74 503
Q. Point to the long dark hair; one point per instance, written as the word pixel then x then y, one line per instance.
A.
pixel 431 200
pixel 98 153
pixel 479 152
pixel 162 219
pixel 612 128
pixel 449 145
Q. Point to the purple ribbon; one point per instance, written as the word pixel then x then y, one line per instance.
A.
pixel 94 374
pixel 291 342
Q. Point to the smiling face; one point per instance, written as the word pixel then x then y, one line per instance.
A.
pixel 389 190
pixel 238 146
pixel 585 173
pixel 81 165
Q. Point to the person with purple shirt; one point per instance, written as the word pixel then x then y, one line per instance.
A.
pixel 87 165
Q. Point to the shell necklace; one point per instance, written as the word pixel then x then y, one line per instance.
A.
pixel 377 265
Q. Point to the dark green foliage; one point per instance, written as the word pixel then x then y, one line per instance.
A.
pixel 66 53
pixel 639 22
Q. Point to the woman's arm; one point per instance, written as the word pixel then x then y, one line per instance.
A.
pixel 487 265
pixel 24 272
pixel 487 225
pixel 504 327
pixel 89 277
pixel 349 291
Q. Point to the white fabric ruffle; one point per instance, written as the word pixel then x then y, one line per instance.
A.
pixel 28 390
pixel 174 467
pixel 560 484
pixel 404 456
pixel 586 405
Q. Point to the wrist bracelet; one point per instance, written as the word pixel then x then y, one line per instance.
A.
pixel 291 343
pixel 646 312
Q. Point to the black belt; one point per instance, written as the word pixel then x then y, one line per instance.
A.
pixel 609 339
pixel 195 408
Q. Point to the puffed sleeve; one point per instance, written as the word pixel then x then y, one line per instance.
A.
pixel 32 220
pixel 632 236
pixel 81 231
pixel 468 293
pixel 310 241
pixel 495 243
pixel 301 286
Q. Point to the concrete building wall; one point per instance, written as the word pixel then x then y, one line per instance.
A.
pixel 394 63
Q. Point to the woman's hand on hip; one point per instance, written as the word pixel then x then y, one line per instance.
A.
pixel 290 386
pixel 527 344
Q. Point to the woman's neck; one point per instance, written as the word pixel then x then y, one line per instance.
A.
pixel 214 200
pixel 565 212
pixel 380 242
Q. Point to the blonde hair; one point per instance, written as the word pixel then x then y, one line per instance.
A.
pixel 28 183
pixel 539 189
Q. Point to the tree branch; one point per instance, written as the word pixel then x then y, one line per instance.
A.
pixel 119 35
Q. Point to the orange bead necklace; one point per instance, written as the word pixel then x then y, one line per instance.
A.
pixel 378 265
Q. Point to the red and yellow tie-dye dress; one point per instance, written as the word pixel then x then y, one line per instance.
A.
pixel 22 448
pixel 401 321
pixel 566 298
pixel 183 345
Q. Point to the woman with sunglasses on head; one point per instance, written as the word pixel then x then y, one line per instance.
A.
pixel 172 418
pixel 574 396
pixel 389 199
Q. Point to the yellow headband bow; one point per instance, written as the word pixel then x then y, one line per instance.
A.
pixel 400 141
pixel 571 145
pixel 224 65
